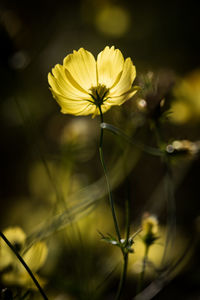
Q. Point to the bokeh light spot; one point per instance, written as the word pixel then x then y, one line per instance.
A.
pixel 113 21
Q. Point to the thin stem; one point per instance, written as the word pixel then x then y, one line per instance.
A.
pixel 125 254
pixel 107 180
pixel 123 276
pixel 141 281
pixel 25 265
pixel 128 211
pixel 169 195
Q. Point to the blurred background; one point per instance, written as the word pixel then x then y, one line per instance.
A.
pixel 50 162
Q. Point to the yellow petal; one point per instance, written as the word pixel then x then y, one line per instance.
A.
pixel 118 100
pixel 109 66
pixel 104 108
pixel 16 278
pixel 74 107
pixel 88 110
pixel 17 238
pixel 35 256
pixel 82 67
pixel 15 235
pixel 70 109
pixel 126 80
pixel 62 85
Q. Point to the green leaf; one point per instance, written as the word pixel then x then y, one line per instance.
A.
pixel 119 132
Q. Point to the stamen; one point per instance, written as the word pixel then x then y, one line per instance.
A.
pixel 98 94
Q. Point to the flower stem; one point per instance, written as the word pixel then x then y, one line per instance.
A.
pixel 141 281
pixel 123 276
pixel 123 249
pixel 169 195
pixel 25 265
pixel 107 180
pixel 128 211
pixel 125 254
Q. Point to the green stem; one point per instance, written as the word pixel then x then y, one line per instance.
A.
pixel 107 180
pixel 141 281
pixel 125 254
pixel 128 211
pixel 123 276
pixel 169 195
pixel 24 264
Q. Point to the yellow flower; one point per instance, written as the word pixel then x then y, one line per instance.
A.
pixel 81 85
pixel 186 105
pixel 149 224
pixel 156 252
pixel 14 272
pixel 34 258
pixel 149 229
pixel 17 238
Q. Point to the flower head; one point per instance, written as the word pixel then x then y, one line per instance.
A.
pixel 17 238
pixel 13 272
pixel 149 224
pixel 186 101
pixel 82 85
pixel 149 229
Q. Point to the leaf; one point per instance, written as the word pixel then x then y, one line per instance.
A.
pixel 147 149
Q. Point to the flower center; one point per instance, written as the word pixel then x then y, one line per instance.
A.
pixel 17 245
pixel 98 94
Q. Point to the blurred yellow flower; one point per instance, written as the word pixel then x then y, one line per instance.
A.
pixel 149 229
pixel 81 85
pixel 149 224
pixel 17 238
pixel 186 105
pixel 156 251
pixel 13 271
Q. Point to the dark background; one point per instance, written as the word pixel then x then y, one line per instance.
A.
pixel 35 35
